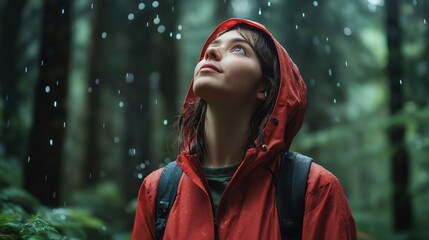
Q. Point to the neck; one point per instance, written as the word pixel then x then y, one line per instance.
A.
pixel 226 135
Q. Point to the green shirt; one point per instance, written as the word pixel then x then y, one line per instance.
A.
pixel 218 179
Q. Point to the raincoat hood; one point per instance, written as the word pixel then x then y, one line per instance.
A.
pixel 288 113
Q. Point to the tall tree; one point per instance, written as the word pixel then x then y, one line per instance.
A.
pixel 11 129
pixel 402 211
pixel 43 169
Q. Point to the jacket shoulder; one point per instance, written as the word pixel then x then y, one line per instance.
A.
pixel 144 224
pixel 327 212
pixel 319 178
pixel 151 181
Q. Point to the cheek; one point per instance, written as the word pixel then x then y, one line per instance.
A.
pixel 247 73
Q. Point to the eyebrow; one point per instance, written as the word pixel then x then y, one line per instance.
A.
pixel 217 42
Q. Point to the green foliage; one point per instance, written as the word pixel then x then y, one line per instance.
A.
pixel 23 217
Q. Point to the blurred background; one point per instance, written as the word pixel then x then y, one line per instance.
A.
pixel 90 91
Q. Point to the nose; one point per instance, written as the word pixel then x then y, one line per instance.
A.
pixel 213 54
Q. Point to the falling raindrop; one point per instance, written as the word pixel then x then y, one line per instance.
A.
pixel 338 84
pixel 103 35
pixel 54 194
pixel 129 77
pixel 62 11
pixel 46 177
pixel 55 104
pixel 156 20
pixel 347 31
pixel 47 89
pixel 330 72
pixel 141 6
pixel 400 81
pixel 303 15
pixel 28 159
pixel 116 139
pixel 315 3
pixel 89 89
pixel 335 100
pixel 155 4
pixel 103 125
pixel 139 176
pixel 26 69
pixel 259 11
pixel 161 29
pixel 178 36
pixel 132 152
pixel 296 27
pixel 121 104
pixel 165 122
pixel 92 5
pixel 119 92
pixel 269 4
pixel 97 81
pixel 51 141
pixel 131 16
pixel 346 63
pixel 179 27
pixel 41 63
pixel 424 20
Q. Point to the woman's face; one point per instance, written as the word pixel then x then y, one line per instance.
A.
pixel 229 72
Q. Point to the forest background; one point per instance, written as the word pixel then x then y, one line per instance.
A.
pixel 90 91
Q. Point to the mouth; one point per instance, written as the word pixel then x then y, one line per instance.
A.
pixel 209 68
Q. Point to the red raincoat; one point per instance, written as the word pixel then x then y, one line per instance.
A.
pixel 247 209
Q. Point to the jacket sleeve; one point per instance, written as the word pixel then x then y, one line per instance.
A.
pixel 327 213
pixel 144 222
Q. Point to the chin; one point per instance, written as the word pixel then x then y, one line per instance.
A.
pixel 209 93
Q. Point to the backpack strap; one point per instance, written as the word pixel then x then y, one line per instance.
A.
pixel 291 188
pixel 167 189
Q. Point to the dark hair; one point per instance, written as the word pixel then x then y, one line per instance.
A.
pixel 191 122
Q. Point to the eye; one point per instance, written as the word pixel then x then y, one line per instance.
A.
pixel 239 49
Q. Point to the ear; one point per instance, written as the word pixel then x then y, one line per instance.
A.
pixel 261 91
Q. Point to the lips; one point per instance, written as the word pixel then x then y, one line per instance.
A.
pixel 208 67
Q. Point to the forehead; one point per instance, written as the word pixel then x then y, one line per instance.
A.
pixel 227 36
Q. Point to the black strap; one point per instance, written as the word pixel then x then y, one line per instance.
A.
pixel 291 188
pixel 166 195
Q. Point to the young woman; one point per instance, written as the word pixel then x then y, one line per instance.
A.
pixel 245 104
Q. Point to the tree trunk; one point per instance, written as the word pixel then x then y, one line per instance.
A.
pixel 43 169
pixel 11 127
pixel 402 211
